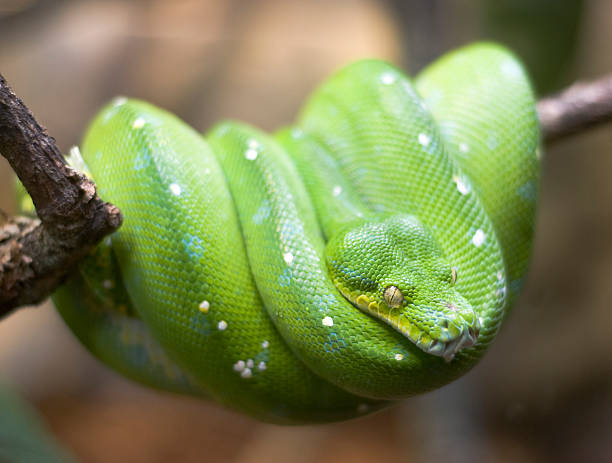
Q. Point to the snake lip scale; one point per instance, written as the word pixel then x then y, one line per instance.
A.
pixel 446 349
pixel 365 254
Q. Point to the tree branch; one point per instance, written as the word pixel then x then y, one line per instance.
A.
pixel 575 109
pixel 37 255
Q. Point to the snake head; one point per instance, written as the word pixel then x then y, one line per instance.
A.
pixel 393 269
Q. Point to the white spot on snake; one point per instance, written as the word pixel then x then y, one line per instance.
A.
pixel 337 190
pixel 388 78
pixel 424 139
pixel 204 306
pixel 119 101
pixel 399 357
pixel 262 366
pixel 253 143
pixel 138 123
pixel 222 325
pixel 538 153
pixel 108 241
pixel 500 276
pixel 297 133
pixel 328 321
pixel 239 365
pixel 510 68
pixel 108 284
pixel 462 187
pixel 207 171
pixel 463 147
pixel 249 363
pixel 265 345
pixel 175 189
pixel 362 408
pixel 288 258
pixel 478 238
pixel 246 373
pixel 250 154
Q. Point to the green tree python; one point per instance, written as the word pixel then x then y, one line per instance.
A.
pixel 365 254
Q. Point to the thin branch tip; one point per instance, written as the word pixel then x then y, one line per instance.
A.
pixel 579 107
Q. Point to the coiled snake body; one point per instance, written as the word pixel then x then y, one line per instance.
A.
pixel 366 254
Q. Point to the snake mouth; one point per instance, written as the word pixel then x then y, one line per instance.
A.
pixel 447 350
pixel 451 333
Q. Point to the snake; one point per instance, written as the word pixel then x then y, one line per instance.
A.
pixel 366 253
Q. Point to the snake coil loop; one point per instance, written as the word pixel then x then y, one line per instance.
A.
pixel 312 275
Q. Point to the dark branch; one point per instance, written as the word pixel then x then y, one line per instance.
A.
pixel 36 256
pixel 575 109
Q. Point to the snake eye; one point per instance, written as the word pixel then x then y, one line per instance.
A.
pixel 453 276
pixel 393 296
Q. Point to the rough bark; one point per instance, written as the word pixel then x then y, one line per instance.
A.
pixel 36 255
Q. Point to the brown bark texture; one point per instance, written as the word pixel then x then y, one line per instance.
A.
pixel 36 255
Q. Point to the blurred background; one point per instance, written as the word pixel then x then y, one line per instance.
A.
pixel 543 392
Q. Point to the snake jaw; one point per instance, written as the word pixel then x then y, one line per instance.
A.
pixel 459 331
pixel 453 332
pixel 447 350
